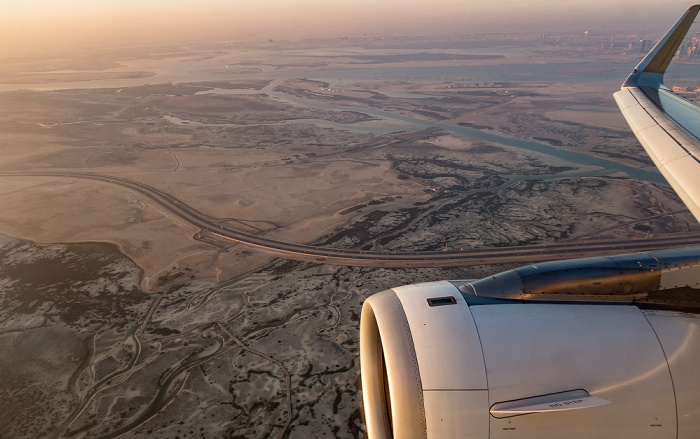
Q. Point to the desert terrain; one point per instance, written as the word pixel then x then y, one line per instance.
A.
pixel 120 317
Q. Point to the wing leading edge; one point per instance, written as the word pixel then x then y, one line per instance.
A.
pixel 667 126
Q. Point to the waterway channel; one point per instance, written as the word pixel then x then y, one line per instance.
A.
pixel 187 70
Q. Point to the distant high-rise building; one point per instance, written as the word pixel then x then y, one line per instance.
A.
pixel 645 46
pixel 585 35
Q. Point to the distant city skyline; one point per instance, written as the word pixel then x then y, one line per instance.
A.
pixel 43 25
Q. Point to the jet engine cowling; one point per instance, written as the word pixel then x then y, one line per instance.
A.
pixel 436 366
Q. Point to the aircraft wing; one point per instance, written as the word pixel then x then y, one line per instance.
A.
pixel 595 347
pixel 667 126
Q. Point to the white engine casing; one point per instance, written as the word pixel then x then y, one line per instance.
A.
pixel 450 368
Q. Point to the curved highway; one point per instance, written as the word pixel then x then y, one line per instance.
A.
pixel 335 256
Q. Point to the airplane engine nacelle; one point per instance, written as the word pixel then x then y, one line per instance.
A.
pixel 434 366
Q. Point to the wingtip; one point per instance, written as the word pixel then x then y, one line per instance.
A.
pixel 650 71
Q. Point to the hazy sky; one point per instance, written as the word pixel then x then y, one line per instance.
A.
pixel 33 25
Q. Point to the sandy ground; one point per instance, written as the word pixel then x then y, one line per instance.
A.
pixel 73 210
pixel 230 342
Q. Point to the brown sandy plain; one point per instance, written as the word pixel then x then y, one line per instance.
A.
pixel 117 319
pixel 275 190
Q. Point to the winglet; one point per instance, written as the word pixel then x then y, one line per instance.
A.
pixel 650 71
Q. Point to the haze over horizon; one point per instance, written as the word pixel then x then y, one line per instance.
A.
pixel 43 26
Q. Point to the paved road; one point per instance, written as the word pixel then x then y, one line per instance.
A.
pixel 303 252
